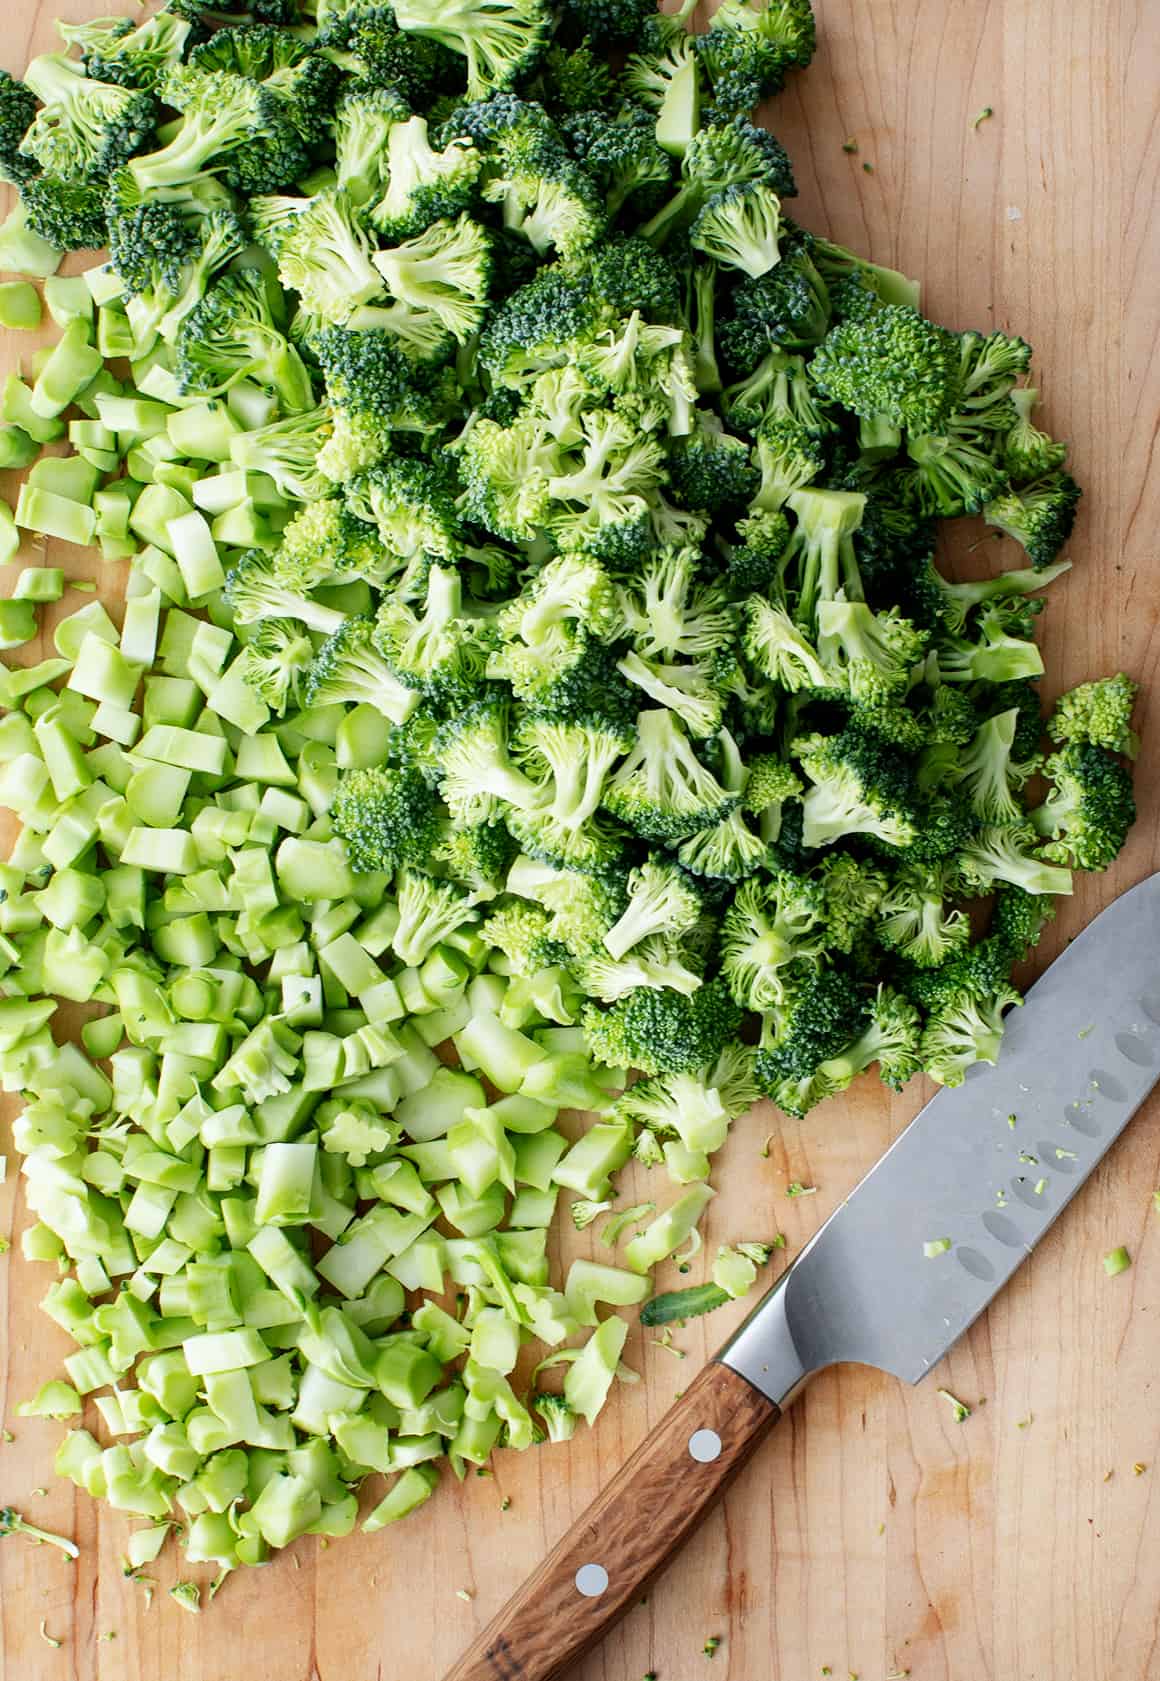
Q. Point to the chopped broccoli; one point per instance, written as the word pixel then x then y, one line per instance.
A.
pixel 663 1032
pixel 1098 714
pixel 1087 815
pixel 386 817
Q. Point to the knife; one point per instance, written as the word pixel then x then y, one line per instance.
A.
pixel 1078 1059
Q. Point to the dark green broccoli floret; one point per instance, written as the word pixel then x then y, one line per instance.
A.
pixel 1098 713
pixel 777 388
pixel 365 41
pixel 859 786
pixel 1018 919
pixel 232 335
pixel 740 227
pixel 386 818
pixel 718 156
pixel 69 214
pixel 788 458
pixel 374 390
pixel 477 856
pixel 823 1013
pixel 471 757
pixel 788 308
pixel 411 505
pixel 423 185
pixel 622 156
pixel 748 49
pixel 894 364
pixel 664 1032
pixel 1090 808
pixel 17 110
pixel 538 326
pixel 606 21
pixel 574 81
pixel 963 1030
pixel 364 117
pixel 1040 515
pixel 711 470
pixel 835 264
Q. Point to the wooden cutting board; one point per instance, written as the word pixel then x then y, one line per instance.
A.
pixel 873 1535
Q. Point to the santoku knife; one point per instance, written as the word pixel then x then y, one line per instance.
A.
pixel 1078 1059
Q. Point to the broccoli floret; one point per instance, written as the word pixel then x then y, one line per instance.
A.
pixel 989 774
pixel 435 652
pixel 695 690
pixel 852 891
pixel 133 57
pixel 276 661
pixel 568 82
pixel 504 474
pixel 1040 515
pixel 365 116
pixel 523 932
pixel 819 561
pixel 823 1013
pixel 770 925
pixel 869 656
pixel 69 214
pixel 578 756
pixel 663 1032
pixel 740 228
pixel 710 470
pixel 232 335
pixel 17 111
pixel 894 364
pixel 429 910
pixel 374 390
pixel 1098 714
pixel 559 1419
pixel 444 271
pixel 722 155
pixel 748 49
pixel 788 459
pixel 324 542
pixel 262 586
pixel 954 471
pixel 476 774
pixel 778 387
pixel 301 80
pixel 85 129
pixel 287 452
pixel 477 856
pixel 500 39
pixel 543 194
pixel 167 253
pixel 622 157
pixel 997 855
pixel 1090 809
pixel 961 1031
pixel 661 790
pixel 365 41
pixel 349 670
pixel 230 125
pixel 786 309
pixel 386 817
pixel 321 250
pixel 583 905
pixel 423 185
pixel 915 920
pixel 1002 654
pixel 686 1106
pixel 668 612
pixel 655 964
pixel 570 589
pixel 627 274
pixel 1028 453
pixel 599 492
pixel 665 77
pixel 661 901
pixel 859 785
pixel 411 506
pixel 954 602
pixel 1018 919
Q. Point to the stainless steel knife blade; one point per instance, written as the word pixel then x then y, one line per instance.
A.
pixel 1078 1059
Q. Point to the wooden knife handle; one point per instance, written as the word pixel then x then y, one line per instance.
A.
pixel 627 1536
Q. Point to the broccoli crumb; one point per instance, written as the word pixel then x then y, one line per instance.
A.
pixel 505 1504
pixel 464 1595
pixel 936 1246
pixel 1024 1423
pixel 868 168
pixel 709 1649
pixel 850 146
pixel 1012 1121
pixel 1117 1261
pixel 959 1408
pixel 795 1188
pixel 49 1639
pixel 981 117
pixel 1139 1468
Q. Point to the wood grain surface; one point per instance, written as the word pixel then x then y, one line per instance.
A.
pixel 872 1534
pixel 634 1527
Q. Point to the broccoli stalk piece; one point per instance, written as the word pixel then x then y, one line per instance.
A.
pixel 1090 809
pixel 770 925
pixel 386 817
pixel 11 1523
pixel 429 910
pixel 666 79
pixel 349 670
pixel 661 790
pixel 1098 714
pixel 500 39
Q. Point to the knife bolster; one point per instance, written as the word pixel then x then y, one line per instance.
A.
pixel 764 1352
